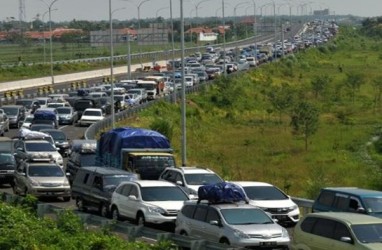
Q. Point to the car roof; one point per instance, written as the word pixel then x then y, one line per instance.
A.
pixel 194 170
pixel 252 183
pixel 355 191
pixel 93 109
pixel 105 170
pixel 222 205
pixel 152 183
pixel 349 218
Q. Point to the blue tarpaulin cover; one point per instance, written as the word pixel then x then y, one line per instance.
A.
pixel 223 192
pixel 44 115
pixel 110 144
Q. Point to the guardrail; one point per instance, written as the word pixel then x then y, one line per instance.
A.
pixel 126 230
pixel 132 232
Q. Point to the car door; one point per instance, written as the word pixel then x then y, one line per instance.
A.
pixel 133 202
pixel 96 191
pixel 212 226
pixel 197 225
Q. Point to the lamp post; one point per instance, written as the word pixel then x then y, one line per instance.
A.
pixel 235 16
pixel 112 63
pixel 139 28
pixel 50 37
pixel 184 134
pixel 224 52
pixel 156 18
pixel 173 53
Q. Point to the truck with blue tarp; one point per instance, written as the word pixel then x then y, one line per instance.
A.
pixel 139 150
pixel 46 116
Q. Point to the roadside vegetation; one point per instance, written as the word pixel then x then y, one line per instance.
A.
pixel 310 120
pixel 22 229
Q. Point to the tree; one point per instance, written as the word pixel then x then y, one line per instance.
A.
pixel 377 85
pixel 319 84
pixel 353 82
pixel 304 120
pixel 281 98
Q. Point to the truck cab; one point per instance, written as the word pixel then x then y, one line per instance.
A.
pixel 149 165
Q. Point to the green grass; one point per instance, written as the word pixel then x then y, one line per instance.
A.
pixel 233 129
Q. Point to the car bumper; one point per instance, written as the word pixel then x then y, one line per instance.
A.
pixel 50 192
pixel 160 219
pixel 261 243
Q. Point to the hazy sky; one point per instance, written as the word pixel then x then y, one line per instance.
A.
pixel 67 10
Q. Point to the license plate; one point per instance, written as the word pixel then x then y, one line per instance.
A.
pixel 268 243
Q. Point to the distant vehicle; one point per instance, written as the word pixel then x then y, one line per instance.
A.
pixel 61 141
pixel 27 121
pixel 67 115
pixel 15 113
pixel 41 177
pixel 93 187
pixel 337 230
pixel 39 126
pixel 4 122
pixel 190 178
pixel 7 160
pixel 272 200
pixel 83 103
pixel 46 116
pixel 82 154
pixel 349 199
pixel 235 224
pixel 90 116
pixel 97 94
pixel 145 201
pixel 43 101
pixel 31 105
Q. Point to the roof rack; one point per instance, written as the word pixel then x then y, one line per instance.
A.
pixel 39 157
pixel 84 146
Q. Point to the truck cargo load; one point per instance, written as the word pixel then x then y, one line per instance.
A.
pixel 223 192
pixel 143 151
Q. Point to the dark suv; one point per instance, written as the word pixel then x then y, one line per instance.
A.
pixel 93 187
pixel 82 154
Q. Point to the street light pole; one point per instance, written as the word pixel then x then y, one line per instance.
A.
pixel 112 64
pixel 173 54
pixel 139 28
pixel 235 16
pixel 224 47
pixel 184 141
pixel 50 37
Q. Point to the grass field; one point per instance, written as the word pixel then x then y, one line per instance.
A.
pixel 233 128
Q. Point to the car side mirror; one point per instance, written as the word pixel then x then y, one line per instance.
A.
pixel 132 197
pixel 180 183
pixel 346 240
pixel 215 223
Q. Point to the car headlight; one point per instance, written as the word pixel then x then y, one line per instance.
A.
pixel 240 234
pixel 59 160
pixel 294 207
pixel 66 183
pixel 285 233
pixel 34 182
pixel 156 210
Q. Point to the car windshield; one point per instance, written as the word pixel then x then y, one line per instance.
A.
pixel 26 103
pixel 373 204
pixel 114 180
pixel 245 216
pixel 44 170
pixel 28 119
pixel 163 194
pixel 92 113
pixel 88 159
pixel 264 193
pixel 38 127
pixel 202 179
pixel 63 111
pixel 42 101
pixel 154 161
pixel 368 233
pixel 6 158
pixel 10 110
pixel 39 147
pixel 57 135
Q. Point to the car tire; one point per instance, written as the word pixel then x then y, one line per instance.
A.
pixel 14 188
pixel 80 205
pixel 66 199
pixel 224 241
pixel 115 214
pixel 104 211
pixel 140 221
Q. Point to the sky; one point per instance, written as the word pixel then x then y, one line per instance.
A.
pixel 95 10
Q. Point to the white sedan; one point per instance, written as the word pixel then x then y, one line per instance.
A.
pixel 90 116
